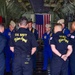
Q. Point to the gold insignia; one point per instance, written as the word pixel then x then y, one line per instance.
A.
pixel 26 63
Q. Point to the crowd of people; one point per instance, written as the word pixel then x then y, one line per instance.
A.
pixel 18 48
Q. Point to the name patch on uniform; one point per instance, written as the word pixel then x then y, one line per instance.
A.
pixel 17 34
pixel 9 34
pixel 63 39
pixel 44 37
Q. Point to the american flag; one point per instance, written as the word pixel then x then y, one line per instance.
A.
pixel 41 20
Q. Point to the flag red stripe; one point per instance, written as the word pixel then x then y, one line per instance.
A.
pixel 41 28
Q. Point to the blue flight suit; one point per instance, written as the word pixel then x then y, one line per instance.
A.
pixel 66 31
pixel 58 65
pixel 47 52
pixel 7 51
pixel 23 41
pixel 72 57
pixel 35 32
pixel 2 59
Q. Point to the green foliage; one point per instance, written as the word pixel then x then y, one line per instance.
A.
pixel 10 10
pixel 14 10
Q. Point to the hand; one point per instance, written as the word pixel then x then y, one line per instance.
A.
pixel 13 51
pixel 64 57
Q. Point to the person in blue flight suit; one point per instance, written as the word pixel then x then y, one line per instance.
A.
pixel 62 49
pixel 8 54
pixel 23 44
pixel 47 52
pixel 2 45
pixel 65 30
pixel 35 32
pixel 72 57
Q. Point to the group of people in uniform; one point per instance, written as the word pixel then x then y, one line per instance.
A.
pixel 59 48
pixel 19 46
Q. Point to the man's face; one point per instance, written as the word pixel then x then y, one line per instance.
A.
pixel 29 25
pixel 73 26
pixel 48 29
pixel 63 25
pixel 11 27
pixel 2 29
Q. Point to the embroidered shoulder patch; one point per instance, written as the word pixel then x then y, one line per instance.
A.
pixel 72 36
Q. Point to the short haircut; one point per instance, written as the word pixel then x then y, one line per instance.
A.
pixel 23 21
pixel 30 21
pixel 1 25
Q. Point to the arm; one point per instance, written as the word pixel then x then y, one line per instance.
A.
pixel 33 50
pixel 34 44
pixel 55 50
pixel 12 43
pixel 65 56
pixel 69 50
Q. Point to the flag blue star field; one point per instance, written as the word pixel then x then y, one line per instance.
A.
pixel 41 20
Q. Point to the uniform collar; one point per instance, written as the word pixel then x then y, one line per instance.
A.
pixel 73 32
pixel 58 33
pixel 0 33
pixel 23 29
pixel 48 33
pixel 64 28
pixel 31 29
pixel 8 30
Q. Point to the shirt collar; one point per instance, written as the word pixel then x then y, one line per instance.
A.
pixel 58 33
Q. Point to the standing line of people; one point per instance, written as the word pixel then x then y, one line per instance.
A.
pixel 20 46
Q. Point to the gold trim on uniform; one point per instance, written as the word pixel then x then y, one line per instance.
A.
pixel 20 38
pixel 17 34
pixel 63 38
pixel 33 30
